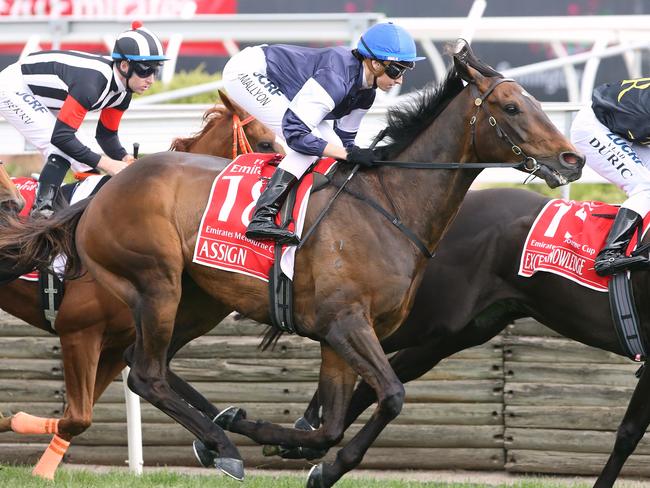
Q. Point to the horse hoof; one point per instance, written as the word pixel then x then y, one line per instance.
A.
pixel 204 455
pixel 231 466
pixel 315 477
pixel 303 424
pixel 310 454
pixel 269 450
pixel 227 416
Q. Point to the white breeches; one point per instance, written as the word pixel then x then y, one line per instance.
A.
pixel 624 163
pixel 244 78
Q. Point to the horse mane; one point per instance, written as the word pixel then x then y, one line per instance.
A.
pixel 408 119
pixel 210 118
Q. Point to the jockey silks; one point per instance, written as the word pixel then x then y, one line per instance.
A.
pixel 624 108
pixel 295 91
pixel 46 97
pixel 617 159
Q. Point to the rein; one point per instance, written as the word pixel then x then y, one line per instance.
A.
pixel 527 164
pixel 240 144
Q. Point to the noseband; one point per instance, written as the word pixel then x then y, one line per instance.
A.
pixel 528 163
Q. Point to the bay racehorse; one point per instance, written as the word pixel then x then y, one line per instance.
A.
pixel 355 279
pixel 483 247
pixel 93 326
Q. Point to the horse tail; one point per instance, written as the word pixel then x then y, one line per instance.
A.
pixel 271 337
pixel 26 245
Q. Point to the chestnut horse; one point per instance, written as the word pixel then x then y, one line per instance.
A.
pixel 93 326
pixel 228 131
pixel 483 247
pixel 355 279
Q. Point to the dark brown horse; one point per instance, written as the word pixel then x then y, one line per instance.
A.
pixel 483 247
pixel 355 278
pixel 93 326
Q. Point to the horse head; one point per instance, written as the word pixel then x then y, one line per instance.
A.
pixel 514 124
pixel 10 198
pixel 262 138
pixel 228 130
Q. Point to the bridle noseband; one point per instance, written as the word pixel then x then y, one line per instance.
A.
pixel 528 163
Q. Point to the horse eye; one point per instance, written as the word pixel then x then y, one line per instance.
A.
pixel 264 146
pixel 511 109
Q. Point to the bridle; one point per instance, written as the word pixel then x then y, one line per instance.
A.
pixel 240 144
pixel 528 163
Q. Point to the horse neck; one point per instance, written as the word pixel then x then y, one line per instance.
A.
pixel 217 141
pixel 427 199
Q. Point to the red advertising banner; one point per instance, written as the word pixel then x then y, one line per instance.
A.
pixel 127 9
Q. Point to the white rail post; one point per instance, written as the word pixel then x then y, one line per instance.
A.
pixel 134 426
pixel 473 17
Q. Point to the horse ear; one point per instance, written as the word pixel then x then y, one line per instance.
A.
pixel 461 52
pixel 232 106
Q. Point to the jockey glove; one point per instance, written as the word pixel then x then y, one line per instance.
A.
pixel 363 156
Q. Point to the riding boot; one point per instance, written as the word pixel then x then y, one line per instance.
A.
pixel 262 226
pixel 612 259
pixel 49 182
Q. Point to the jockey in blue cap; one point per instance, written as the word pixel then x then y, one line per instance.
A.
pixel 296 91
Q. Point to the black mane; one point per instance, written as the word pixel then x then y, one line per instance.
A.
pixel 408 119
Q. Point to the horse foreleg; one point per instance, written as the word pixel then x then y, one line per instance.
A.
pixel 408 364
pixel 356 341
pixel 336 382
pixel 630 431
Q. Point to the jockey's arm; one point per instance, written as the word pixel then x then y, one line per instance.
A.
pixel 106 133
pixel 70 117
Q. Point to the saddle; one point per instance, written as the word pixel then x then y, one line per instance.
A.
pixel 221 242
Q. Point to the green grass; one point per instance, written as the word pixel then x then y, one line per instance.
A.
pixel 19 477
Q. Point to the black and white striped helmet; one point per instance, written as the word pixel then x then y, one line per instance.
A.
pixel 138 44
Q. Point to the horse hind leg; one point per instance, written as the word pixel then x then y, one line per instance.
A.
pixel 156 312
pixel 630 431
pixel 198 313
pixel 195 318
pixel 80 352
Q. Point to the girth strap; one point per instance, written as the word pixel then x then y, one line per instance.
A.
pixel 625 316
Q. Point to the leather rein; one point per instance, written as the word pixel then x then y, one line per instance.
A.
pixel 527 164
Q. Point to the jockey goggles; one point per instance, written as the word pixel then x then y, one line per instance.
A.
pixel 395 69
pixel 145 69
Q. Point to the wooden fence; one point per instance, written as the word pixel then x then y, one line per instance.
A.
pixel 525 401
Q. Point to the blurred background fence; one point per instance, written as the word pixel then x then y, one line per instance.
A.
pixel 526 401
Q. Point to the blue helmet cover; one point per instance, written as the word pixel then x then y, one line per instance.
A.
pixel 388 42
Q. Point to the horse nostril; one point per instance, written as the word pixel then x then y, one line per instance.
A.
pixel 572 159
